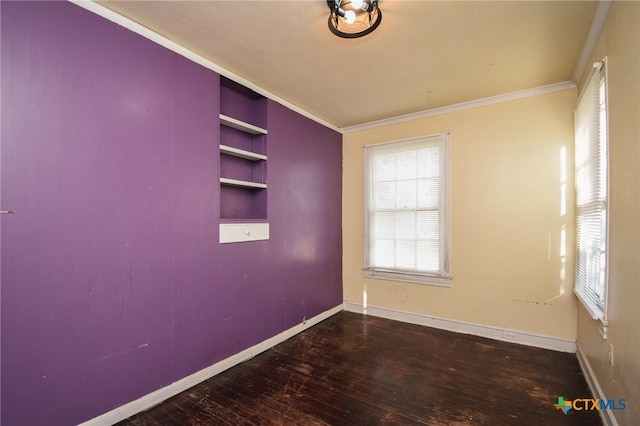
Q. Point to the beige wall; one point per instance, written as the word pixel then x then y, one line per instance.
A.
pixel 506 217
pixel 620 42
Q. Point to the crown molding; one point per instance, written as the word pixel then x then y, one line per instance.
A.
pixel 592 38
pixel 149 34
pixel 520 94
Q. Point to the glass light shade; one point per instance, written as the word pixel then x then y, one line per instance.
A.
pixel 353 18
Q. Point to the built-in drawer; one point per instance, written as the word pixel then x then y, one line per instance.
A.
pixel 240 232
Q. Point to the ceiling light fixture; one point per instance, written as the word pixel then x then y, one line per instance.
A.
pixel 354 18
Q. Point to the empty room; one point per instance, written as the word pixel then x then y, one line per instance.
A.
pixel 343 212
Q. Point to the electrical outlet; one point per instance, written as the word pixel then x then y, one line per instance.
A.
pixel 611 354
pixel 510 336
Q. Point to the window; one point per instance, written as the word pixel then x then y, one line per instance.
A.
pixel 591 194
pixel 406 209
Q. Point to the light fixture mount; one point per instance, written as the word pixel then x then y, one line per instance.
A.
pixel 354 18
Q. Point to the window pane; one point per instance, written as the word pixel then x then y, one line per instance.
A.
pixel 382 225
pixel 429 162
pixel 405 225
pixel 384 195
pixel 406 194
pixel 428 225
pixel 406 254
pixel 406 165
pixel 382 253
pixel 384 167
pixel 428 255
pixel 428 193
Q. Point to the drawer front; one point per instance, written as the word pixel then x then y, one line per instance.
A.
pixel 240 232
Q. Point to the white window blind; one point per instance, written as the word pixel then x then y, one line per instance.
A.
pixel 591 194
pixel 406 210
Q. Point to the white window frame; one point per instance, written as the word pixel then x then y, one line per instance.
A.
pixel 586 112
pixel 442 277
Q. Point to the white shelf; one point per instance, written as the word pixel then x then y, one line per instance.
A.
pixel 242 183
pixel 241 125
pixel 241 153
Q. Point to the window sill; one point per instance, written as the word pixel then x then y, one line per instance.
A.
pixel 595 313
pixel 434 280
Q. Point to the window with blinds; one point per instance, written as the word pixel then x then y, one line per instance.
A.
pixel 591 194
pixel 407 220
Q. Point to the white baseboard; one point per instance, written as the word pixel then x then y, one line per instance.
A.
pixel 156 397
pixel 496 333
pixel 607 416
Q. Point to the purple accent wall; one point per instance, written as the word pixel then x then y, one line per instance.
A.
pixel 113 282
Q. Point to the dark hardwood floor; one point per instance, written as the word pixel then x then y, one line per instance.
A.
pixel 353 369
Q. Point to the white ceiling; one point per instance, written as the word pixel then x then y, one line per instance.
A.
pixel 424 55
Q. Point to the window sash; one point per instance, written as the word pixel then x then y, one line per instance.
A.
pixel 591 167
pixel 406 210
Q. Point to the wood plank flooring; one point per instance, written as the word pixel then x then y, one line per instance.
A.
pixel 354 369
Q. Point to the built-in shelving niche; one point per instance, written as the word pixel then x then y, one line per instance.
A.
pixel 243 154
